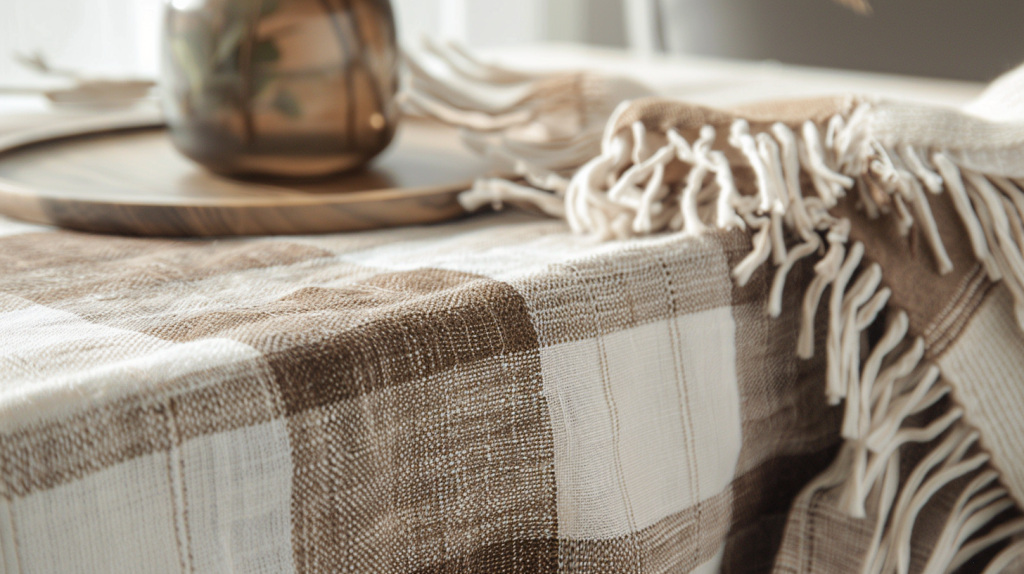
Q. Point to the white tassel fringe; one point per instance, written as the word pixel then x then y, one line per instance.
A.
pixel 624 190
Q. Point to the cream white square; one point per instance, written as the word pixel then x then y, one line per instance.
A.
pixel 646 422
pixel 118 520
pixel 238 493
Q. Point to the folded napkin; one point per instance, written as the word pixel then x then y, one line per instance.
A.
pixel 915 218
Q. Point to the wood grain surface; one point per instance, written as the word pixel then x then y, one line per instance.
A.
pixel 120 174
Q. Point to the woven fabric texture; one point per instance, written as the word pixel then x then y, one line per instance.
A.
pixel 618 392
pixel 492 395
pixel 913 217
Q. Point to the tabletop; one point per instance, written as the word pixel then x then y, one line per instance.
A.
pixel 492 394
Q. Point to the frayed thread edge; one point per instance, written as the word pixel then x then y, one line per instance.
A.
pixel 624 192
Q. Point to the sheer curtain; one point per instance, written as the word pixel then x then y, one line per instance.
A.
pixel 121 37
pixel 109 37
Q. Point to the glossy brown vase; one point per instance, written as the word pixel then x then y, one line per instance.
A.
pixel 281 87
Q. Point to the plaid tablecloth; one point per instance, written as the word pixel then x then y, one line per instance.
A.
pixel 489 395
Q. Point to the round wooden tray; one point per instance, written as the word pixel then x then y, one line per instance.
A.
pixel 120 174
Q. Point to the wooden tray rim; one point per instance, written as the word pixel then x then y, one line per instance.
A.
pixel 152 120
